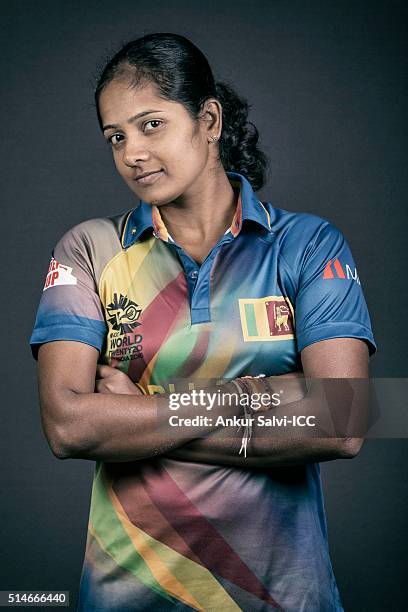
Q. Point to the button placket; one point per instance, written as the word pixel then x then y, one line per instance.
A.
pixel 199 281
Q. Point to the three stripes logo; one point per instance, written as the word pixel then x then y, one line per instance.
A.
pixel 267 318
pixel 334 269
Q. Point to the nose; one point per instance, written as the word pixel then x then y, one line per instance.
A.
pixel 134 151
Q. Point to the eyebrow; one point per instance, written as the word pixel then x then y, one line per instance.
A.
pixel 142 114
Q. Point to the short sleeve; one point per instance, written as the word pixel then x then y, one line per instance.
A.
pixel 70 307
pixel 330 302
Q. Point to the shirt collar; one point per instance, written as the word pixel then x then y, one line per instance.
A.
pixel 148 216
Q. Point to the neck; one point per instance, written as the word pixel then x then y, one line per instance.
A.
pixel 206 209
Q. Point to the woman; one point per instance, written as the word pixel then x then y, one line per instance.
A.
pixel 199 283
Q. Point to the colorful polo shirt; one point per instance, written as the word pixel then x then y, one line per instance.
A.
pixel 165 534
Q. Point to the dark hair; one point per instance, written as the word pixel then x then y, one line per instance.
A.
pixel 182 74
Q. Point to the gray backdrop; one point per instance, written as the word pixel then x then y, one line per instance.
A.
pixel 326 81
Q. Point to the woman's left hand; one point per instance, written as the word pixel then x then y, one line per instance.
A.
pixel 112 380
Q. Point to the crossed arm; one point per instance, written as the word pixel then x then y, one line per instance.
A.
pixel 117 423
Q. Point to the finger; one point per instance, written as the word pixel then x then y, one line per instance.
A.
pixel 104 371
pixel 101 387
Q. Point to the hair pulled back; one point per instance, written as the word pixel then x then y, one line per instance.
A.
pixel 182 74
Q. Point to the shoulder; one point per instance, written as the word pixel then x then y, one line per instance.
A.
pixel 298 233
pixel 97 230
pixel 295 226
pixel 91 244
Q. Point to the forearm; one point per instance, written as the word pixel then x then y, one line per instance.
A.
pixel 119 427
pixel 271 446
pixel 262 454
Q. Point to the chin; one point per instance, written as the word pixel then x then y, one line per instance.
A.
pixel 156 199
pixel 155 196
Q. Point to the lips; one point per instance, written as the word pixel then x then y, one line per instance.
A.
pixel 144 174
pixel 146 178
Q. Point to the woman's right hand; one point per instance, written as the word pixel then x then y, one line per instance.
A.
pixel 112 380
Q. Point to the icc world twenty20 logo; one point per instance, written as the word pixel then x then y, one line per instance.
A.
pixel 123 314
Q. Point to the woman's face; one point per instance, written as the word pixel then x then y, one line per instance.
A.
pixel 149 134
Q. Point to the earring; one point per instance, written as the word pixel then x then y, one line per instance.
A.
pixel 213 138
